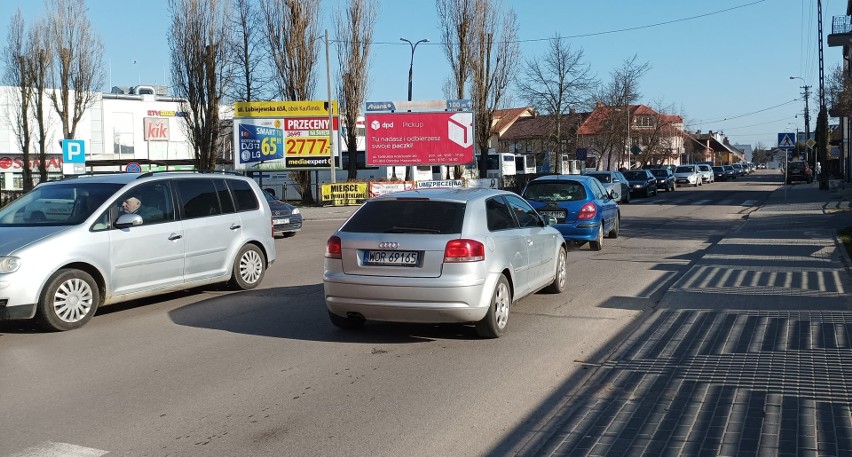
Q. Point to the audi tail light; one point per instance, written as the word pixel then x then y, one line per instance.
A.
pixel 464 251
pixel 333 249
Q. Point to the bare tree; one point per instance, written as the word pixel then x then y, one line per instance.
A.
pixel 555 84
pixel 40 63
pixel 839 90
pixel 354 28
pixel 621 90
pixel 251 74
pixel 493 58
pixel 199 43
pixel 17 76
pixel 77 74
pixel 457 19
pixel 292 35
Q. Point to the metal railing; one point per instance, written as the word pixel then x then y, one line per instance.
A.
pixel 841 24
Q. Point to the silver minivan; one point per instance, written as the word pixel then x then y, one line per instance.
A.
pixel 70 246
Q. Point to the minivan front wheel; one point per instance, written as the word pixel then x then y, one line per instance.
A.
pixel 69 300
pixel 249 268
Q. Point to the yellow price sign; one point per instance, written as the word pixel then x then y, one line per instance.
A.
pixel 297 146
pixel 269 146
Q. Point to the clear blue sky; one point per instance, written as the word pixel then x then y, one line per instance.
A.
pixel 723 65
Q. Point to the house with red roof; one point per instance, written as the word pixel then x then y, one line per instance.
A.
pixel 615 137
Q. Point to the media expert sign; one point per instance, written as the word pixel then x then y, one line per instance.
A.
pixel 349 193
pixel 304 142
pixel 444 138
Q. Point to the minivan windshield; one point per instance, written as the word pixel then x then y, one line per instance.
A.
pixel 57 204
pixel 689 169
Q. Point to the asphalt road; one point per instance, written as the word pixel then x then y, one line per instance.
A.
pixel 263 372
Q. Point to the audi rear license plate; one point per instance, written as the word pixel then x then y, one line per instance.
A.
pixel 398 258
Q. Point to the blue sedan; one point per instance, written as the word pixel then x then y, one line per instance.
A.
pixel 583 209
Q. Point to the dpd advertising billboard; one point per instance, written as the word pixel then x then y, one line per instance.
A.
pixel 442 138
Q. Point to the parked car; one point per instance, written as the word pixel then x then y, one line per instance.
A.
pixel 665 179
pixel 719 173
pixel 286 218
pixel 799 171
pixel 71 246
pixel 583 209
pixel 641 182
pixel 441 256
pixel 739 169
pixel 706 171
pixel 730 172
pixel 658 166
pixel 688 174
pixel 615 181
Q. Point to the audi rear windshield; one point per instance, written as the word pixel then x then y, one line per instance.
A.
pixel 407 216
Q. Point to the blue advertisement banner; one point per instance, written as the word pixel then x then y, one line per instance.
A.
pixel 259 143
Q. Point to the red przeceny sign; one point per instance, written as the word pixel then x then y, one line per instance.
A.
pixel 444 138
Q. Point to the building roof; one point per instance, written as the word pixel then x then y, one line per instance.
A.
pixel 594 122
pixel 504 118
pixel 537 127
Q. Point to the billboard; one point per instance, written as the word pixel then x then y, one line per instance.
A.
pixel 442 138
pixel 284 135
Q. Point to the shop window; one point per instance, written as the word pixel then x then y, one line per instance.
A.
pixel 122 134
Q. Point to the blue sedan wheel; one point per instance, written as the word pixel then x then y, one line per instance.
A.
pixel 597 244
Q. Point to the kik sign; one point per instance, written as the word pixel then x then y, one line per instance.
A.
pixel 156 128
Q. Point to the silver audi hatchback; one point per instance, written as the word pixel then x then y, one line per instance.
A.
pixel 68 247
pixel 441 256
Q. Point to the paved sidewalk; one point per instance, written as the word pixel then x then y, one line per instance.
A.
pixel 747 354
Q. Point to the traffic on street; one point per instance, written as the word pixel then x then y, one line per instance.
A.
pixel 209 371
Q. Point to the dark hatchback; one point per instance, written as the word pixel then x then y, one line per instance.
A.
pixel 286 218
pixel 799 171
pixel 641 182
pixel 719 173
pixel 665 178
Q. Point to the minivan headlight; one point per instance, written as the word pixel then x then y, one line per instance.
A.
pixel 9 264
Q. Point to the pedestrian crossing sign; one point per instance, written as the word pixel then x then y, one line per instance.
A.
pixel 786 140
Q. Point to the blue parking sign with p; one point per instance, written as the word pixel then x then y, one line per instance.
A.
pixel 73 151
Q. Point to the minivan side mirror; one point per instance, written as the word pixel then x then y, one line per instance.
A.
pixel 550 220
pixel 128 220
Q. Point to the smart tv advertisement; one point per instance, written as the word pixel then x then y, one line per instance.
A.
pixel 406 139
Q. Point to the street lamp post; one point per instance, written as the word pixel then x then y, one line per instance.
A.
pixel 807 89
pixel 411 66
pixel 410 80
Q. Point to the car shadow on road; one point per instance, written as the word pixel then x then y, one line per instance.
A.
pixel 299 313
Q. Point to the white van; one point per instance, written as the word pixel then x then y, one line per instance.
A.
pixel 68 247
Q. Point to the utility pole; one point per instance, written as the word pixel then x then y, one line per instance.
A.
pixel 807 95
